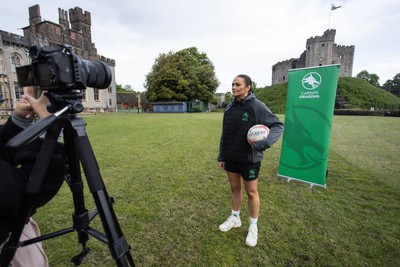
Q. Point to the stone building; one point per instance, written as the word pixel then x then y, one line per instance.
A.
pixel 220 98
pixel 73 30
pixel 320 50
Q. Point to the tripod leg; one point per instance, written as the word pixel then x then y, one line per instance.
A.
pixel 81 215
pixel 117 243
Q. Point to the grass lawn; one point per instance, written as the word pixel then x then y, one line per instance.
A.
pixel 170 197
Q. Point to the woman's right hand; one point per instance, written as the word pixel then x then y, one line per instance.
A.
pixel 29 107
pixel 39 106
pixel 221 165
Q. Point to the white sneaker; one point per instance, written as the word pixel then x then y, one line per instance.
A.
pixel 251 239
pixel 231 222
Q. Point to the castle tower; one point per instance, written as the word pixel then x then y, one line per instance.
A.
pixel 34 19
pixel 63 19
pixel 81 22
pixel 34 15
pixel 319 49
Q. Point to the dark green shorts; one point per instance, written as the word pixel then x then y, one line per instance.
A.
pixel 248 171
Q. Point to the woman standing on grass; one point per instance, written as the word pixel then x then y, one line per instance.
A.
pixel 238 158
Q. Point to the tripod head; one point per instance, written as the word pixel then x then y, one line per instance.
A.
pixel 65 98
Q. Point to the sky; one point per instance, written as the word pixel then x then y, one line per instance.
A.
pixel 238 36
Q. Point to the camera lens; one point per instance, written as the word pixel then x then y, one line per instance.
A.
pixel 98 74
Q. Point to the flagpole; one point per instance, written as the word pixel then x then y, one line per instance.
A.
pixel 329 23
pixel 333 7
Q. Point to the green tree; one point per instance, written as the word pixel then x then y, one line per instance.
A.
pixel 118 87
pixel 372 78
pixel 228 97
pixel 182 76
pixel 394 84
pixel 254 86
pixel 126 89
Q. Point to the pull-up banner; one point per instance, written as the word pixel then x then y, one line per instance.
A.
pixel 310 104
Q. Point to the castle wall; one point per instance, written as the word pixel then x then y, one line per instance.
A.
pixel 344 56
pixel 280 70
pixel 12 47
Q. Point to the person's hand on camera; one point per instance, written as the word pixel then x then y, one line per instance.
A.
pixel 29 107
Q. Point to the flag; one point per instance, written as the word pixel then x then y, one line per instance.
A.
pixel 335 7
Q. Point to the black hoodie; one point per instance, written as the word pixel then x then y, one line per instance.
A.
pixel 15 170
pixel 239 117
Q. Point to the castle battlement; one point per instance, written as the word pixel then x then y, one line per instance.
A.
pixel 14 39
pixel 328 36
pixel 284 62
pixel 77 15
pixel 107 60
pixel 345 47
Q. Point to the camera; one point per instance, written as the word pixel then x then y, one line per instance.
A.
pixel 59 68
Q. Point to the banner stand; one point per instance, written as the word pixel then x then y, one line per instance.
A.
pixel 310 104
pixel 289 179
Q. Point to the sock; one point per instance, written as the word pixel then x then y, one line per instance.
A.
pixel 235 213
pixel 253 220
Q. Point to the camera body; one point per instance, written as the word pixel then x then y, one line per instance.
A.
pixel 59 68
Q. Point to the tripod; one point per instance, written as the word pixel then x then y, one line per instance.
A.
pixel 78 151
